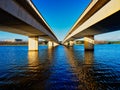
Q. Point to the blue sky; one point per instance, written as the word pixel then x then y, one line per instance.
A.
pixel 61 16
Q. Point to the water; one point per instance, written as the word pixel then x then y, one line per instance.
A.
pixel 60 68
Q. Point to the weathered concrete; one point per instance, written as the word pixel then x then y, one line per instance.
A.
pixel 33 43
pixel 89 42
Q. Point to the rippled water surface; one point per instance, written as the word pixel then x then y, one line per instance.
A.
pixel 60 68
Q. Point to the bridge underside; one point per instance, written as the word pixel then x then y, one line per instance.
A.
pixel 21 17
pixel 12 24
pixel 109 24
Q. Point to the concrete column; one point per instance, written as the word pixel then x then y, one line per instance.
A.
pixel 33 43
pixel 50 44
pixel 71 43
pixel 55 44
pixel 89 42
pixel 66 43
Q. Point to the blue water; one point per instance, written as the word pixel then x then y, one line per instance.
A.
pixel 60 68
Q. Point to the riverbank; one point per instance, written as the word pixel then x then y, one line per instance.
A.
pixel 23 43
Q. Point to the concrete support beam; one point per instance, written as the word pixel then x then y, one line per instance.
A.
pixel 71 43
pixel 89 42
pixel 33 43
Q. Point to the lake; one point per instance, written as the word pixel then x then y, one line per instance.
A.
pixel 60 68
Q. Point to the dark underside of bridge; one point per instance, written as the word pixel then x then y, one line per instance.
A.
pixel 109 24
pixel 11 21
pixel 8 19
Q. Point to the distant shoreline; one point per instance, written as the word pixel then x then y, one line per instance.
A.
pixel 23 43
pixel 78 42
pixel 98 42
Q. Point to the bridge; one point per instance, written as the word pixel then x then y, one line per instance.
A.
pixel 22 17
pixel 101 16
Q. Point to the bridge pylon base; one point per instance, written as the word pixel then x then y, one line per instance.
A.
pixel 89 42
pixel 71 43
pixel 52 44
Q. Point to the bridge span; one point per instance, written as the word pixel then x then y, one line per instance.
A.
pixel 22 17
pixel 101 16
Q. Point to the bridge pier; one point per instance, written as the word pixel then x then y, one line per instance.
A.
pixel 89 42
pixel 55 44
pixel 71 43
pixel 65 44
pixel 52 44
pixel 33 43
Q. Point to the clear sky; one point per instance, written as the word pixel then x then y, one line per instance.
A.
pixel 61 16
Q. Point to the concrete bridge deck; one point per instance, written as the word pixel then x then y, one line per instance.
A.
pixel 101 16
pixel 22 17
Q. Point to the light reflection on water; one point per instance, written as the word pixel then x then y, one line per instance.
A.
pixel 60 68
pixel 82 67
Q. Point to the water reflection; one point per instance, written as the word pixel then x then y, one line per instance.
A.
pixel 38 69
pixel 62 77
pixel 33 60
pixel 50 53
pixel 31 75
pixel 60 68
pixel 83 68
pixel 88 57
